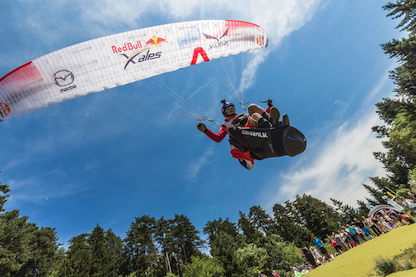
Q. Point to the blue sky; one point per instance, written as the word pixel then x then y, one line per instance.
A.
pixel 109 157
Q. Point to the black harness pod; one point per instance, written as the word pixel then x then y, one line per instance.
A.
pixel 268 142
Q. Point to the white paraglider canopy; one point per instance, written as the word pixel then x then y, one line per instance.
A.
pixel 115 60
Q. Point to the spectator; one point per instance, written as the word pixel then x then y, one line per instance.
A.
pixel 395 218
pixel 309 257
pixel 348 238
pixel 366 231
pixel 318 258
pixel 275 274
pixel 321 247
pixel 354 235
pixel 407 219
pixel 408 203
pixel 412 193
pixel 384 224
pixel 360 234
pixel 338 239
pixel 335 244
pixel 373 225
pixel 360 224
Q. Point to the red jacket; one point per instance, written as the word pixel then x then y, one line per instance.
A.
pixel 236 153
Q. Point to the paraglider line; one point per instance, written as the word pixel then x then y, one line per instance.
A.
pixel 181 116
pixel 178 97
pixel 240 101
pixel 219 89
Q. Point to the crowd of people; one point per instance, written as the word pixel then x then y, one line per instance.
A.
pixel 348 237
pixel 352 235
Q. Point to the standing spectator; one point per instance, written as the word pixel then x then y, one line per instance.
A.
pixel 407 219
pixel 408 203
pixel 338 239
pixel 348 238
pixel 354 235
pixel 309 257
pixel 384 224
pixel 389 220
pixel 412 193
pixel 395 218
pixel 275 274
pixel 318 258
pixel 366 231
pixel 358 223
pixel 320 245
pixel 334 243
pixel 375 220
pixel 372 223
pixel 360 234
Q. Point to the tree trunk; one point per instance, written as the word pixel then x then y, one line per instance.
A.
pixel 168 262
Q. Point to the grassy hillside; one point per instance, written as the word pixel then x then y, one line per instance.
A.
pixel 360 260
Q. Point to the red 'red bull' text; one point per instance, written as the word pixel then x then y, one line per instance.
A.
pixel 127 47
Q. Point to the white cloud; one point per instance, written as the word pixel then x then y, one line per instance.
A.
pixel 194 168
pixel 92 164
pixel 339 166
pixel 339 169
pixel 249 73
pixel 279 18
pixel 35 190
pixel 374 92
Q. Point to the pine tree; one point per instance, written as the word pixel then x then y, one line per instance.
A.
pixel 15 238
pixel 100 254
pixel 250 232
pixel 223 247
pixel 289 229
pixel 399 112
pixel 224 240
pixel 25 249
pixel 406 8
pixel 114 246
pixel 186 238
pixel 165 241
pixel 317 216
pixel 362 207
pixel 4 189
pixel 260 220
pixel 216 227
pixel 377 194
pixel 79 257
pixel 44 247
pixel 140 247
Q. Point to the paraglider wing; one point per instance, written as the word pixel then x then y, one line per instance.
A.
pixel 115 60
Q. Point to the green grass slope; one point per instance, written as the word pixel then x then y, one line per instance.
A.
pixel 407 273
pixel 360 260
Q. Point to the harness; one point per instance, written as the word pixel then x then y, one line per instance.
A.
pixel 233 137
pixel 240 120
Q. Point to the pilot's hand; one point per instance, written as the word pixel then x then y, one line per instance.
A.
pixel 269 103
pixel 202 127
